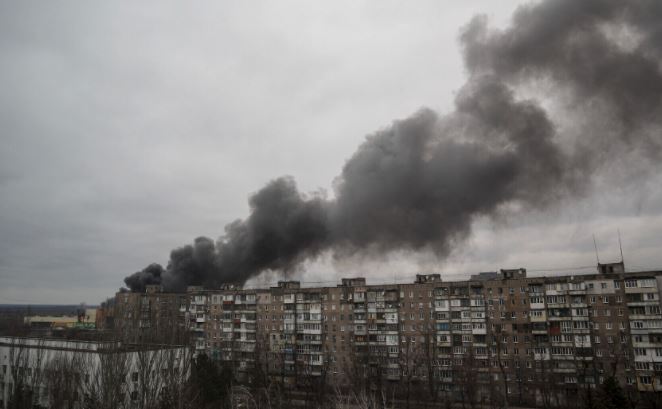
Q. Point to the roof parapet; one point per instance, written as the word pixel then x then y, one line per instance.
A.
pixel 427 278
pixel 485 276
pixel 513 273
pixel 611 268
pixel 352 282
pixel 291 284
pixel 153 288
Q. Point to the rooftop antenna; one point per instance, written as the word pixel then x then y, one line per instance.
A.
pixel 620 246
pixel 595 244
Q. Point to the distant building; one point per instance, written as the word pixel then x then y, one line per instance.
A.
pixel 105 315
pixel 47 325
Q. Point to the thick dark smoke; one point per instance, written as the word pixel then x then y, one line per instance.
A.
pixel 152 274
pixel 421 183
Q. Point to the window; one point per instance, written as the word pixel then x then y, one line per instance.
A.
pixel 603 285
pixel 645 379
pixel 617 284
pixel 630 283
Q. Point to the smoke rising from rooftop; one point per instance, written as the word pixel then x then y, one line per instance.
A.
pixel 420 183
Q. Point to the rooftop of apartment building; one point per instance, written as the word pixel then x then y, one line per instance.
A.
pixel 602 270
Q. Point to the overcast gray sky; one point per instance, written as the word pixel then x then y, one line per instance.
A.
pixel 130 129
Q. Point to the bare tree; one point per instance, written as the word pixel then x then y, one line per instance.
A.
pixel 146 367
pixel 105 385
pixel 64 378
pixel 501 357
pixel 429 352
pixel 466 371
pixel 27 358
pixel 409 361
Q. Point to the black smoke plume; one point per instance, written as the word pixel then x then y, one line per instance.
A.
pixel 152 274
pixel 420 183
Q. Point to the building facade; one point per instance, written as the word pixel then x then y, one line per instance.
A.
pixel 530 338
pixel 150 317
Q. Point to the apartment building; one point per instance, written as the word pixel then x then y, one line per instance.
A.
pixel 152 316
pixel 533 338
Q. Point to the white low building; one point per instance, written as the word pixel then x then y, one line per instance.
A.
pixel 64 373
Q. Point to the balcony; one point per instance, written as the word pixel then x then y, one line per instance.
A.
pixel 559 318
pixel 564 370
pixel 642 303
pixel 541 318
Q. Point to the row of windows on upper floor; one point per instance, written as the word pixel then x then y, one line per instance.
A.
pixel 535 289
pixel 550 299
pixel 479 314
pixel 421 315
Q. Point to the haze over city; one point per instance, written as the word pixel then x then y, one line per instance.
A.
pixel 129 130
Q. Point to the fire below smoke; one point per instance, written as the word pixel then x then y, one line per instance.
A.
pixel 420 183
